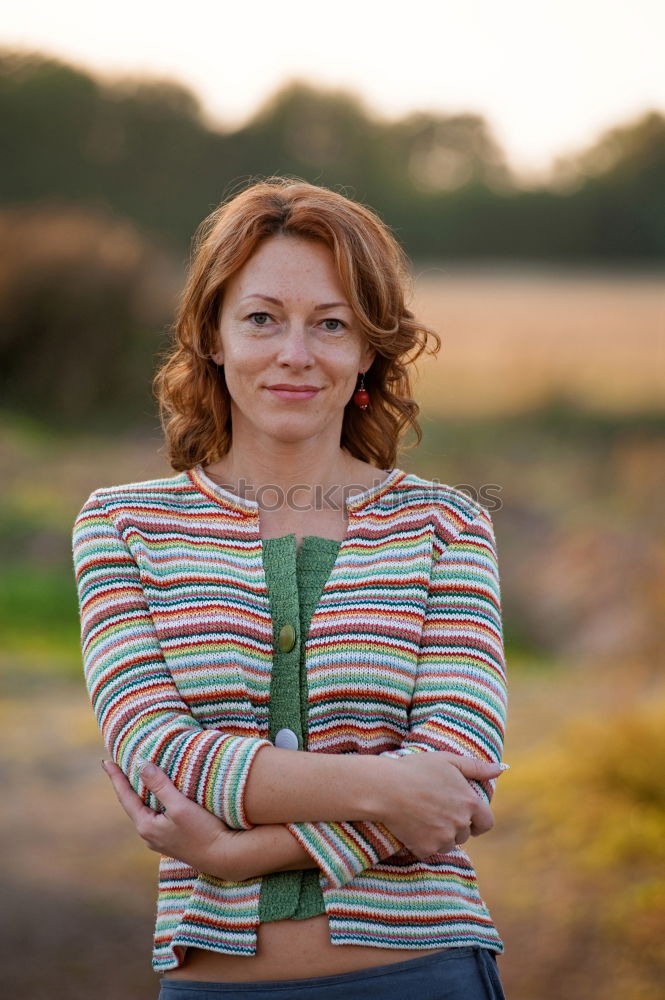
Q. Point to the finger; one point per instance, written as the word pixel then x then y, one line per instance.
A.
pixel 482 819
pixel 480 770
pixel 161 785
pixel 127 797
pixel 463 835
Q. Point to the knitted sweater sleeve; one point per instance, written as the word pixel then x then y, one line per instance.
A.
pixel 459 697
pixel 137 704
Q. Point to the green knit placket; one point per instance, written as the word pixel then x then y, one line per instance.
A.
pixel 295 579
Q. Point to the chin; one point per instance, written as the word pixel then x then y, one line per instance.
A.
pixel 291 436
pixel 294 432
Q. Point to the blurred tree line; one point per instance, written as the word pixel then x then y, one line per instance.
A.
pixel 103 184
pixel 145 150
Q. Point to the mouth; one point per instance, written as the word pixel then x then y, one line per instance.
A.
pixel 297 392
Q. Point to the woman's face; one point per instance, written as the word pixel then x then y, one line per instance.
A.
pixel 290 345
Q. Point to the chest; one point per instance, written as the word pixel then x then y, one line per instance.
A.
pixel 207 594
pixel 324 522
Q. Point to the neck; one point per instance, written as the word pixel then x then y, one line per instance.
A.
pixel 267 473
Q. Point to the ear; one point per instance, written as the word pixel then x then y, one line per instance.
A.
pixel 218 355
pixel 367 357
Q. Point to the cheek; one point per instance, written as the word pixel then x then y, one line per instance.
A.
pixel 244 360
pixel 238 378
pixel 347 357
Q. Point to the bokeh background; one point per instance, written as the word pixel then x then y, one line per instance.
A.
pixel 518 152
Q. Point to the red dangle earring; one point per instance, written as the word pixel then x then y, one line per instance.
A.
pixel 361 395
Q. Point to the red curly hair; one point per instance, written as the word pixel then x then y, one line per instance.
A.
pixel 191 389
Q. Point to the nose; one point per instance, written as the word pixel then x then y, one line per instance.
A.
pixel 295 349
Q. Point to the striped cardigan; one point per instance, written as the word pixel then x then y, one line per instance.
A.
pixel 404 654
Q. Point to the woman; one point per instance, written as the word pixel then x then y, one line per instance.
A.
pixel 294 649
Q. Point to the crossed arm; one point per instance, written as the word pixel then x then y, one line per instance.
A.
pixel 425 801
pixel 188 832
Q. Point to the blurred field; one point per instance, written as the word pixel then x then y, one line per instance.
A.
pixel 514 337
pixel 549 389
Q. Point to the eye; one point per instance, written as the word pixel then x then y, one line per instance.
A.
pixel 259 319
pixel 333 325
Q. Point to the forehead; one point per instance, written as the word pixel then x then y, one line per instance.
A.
pixel 287 262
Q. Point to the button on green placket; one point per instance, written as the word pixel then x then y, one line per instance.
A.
pixel 284 714
pixel 286 639
pixel 280 891
pixel 294 587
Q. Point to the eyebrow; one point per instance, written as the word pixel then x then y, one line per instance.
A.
pixel 278 302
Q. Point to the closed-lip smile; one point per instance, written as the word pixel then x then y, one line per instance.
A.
pixel 300 393
pixel 284 386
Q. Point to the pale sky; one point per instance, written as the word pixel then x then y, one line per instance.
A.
pixel 548 75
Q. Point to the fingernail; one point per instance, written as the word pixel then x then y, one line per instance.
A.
pixel 504 767
pixel 104 767
pixel 146 769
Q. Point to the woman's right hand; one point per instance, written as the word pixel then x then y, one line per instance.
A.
pixel 430 805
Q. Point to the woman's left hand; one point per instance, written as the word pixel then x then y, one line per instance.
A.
pixel 185 830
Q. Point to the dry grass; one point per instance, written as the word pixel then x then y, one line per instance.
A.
pixel 511 340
